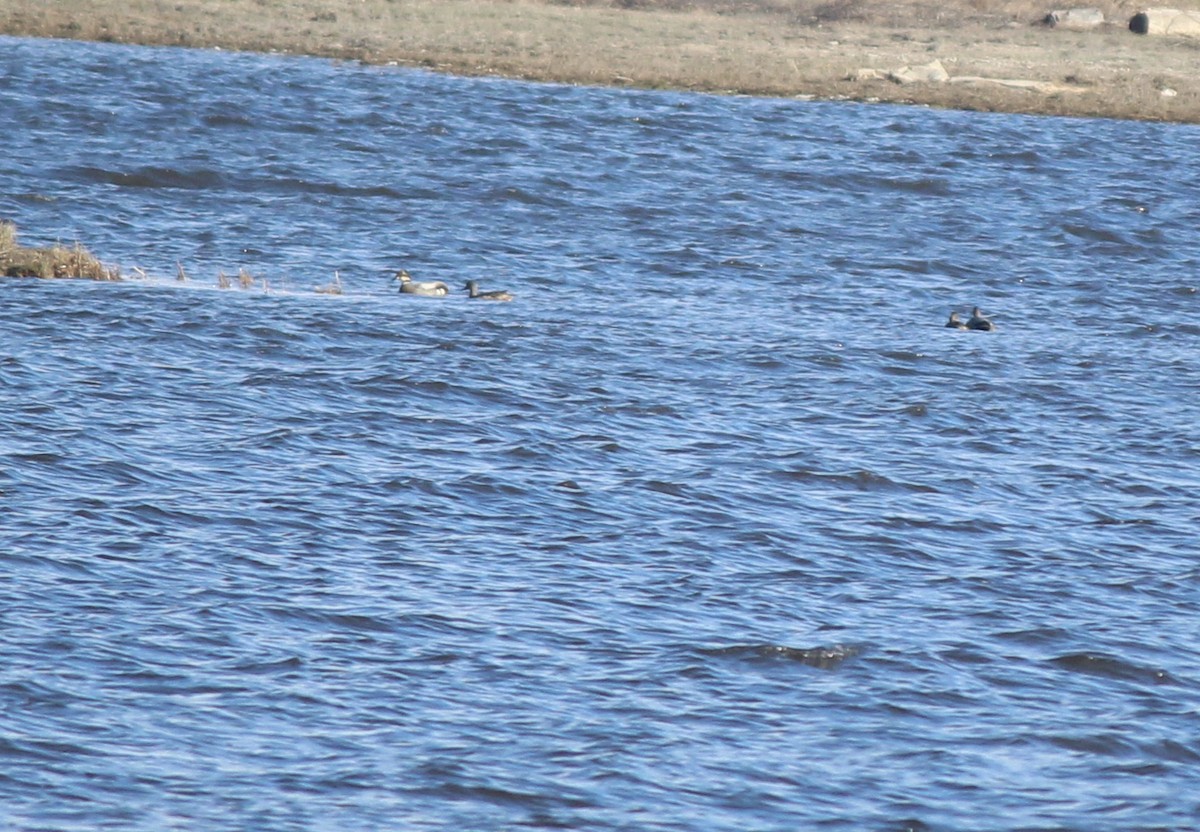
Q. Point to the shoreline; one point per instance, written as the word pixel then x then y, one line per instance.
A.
pixel 995 62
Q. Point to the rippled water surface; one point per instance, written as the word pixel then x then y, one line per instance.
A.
pixel 715 527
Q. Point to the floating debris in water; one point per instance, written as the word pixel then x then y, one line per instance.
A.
pixel 334 288
pixel 77 262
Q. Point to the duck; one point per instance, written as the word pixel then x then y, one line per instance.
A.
pixel 498 294
pixel 979 322
pixel 955 322
pixel 425 288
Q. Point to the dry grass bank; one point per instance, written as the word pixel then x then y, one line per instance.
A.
pixel 769 47
pixel 50 261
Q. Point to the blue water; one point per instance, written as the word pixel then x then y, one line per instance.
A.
pixel 715 527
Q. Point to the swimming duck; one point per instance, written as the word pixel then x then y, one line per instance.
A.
pixel 499 294
pixel 979 322
pixel 425 288
pixel 955 322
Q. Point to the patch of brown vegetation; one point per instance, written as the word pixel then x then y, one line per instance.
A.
pixel 49 261
pixel 763 47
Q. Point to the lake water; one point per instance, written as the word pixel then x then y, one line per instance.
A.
pixel 715 527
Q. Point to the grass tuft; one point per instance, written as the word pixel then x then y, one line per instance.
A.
pixel 46 262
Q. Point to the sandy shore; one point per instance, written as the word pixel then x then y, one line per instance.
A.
pixel 998 58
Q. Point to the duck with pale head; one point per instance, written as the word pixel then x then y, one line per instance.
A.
pixel 424 288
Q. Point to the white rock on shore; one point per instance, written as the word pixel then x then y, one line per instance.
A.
pixel 1075 19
